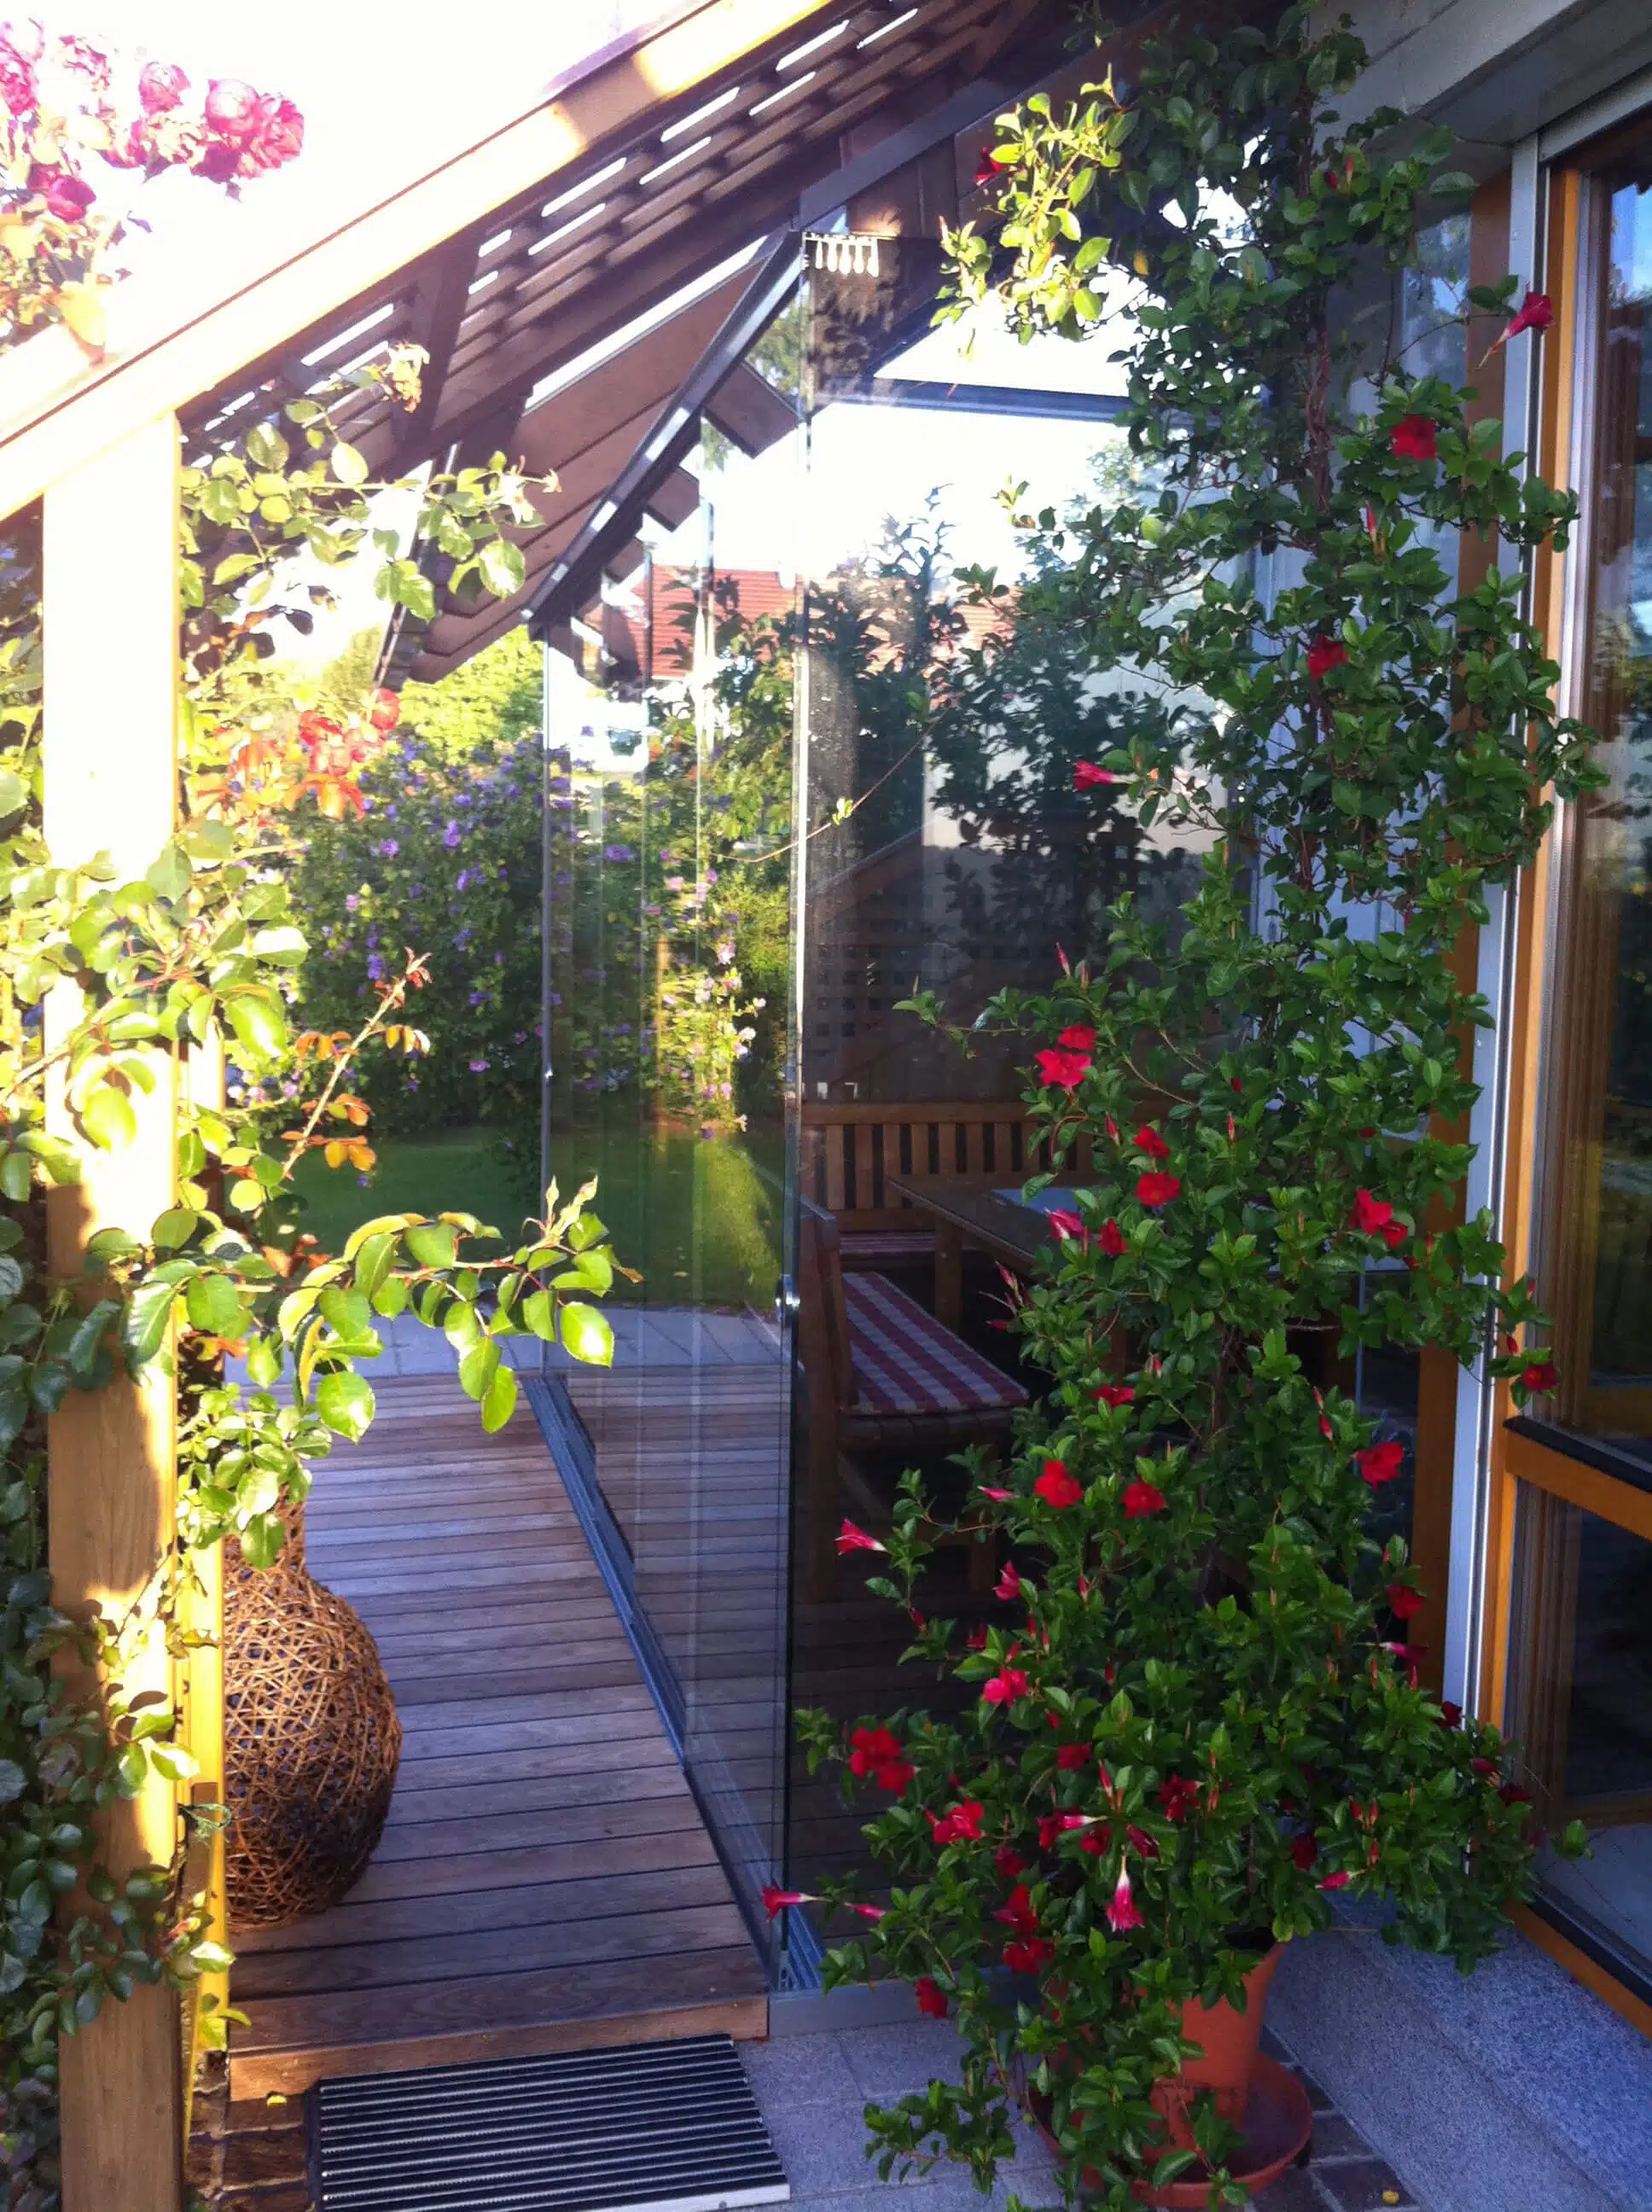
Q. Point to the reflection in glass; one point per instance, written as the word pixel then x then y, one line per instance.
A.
pixel 1601 1262
pixel 1581 1705
pixel 668 991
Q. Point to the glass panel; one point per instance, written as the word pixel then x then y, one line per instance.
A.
pixel 667 992
pixel 947 853
pixel 1601 1260
pixel 1581 1705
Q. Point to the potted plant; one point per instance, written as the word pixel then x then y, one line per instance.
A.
pixel 1201 1715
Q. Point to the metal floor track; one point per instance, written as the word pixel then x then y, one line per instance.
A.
pixel 672 2126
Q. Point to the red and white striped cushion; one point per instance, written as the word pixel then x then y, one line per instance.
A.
pixel 906 1362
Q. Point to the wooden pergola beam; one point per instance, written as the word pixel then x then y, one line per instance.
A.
pixel 55 406
pixel 110 615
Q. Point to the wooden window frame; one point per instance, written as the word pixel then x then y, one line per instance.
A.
pixel 1543 1084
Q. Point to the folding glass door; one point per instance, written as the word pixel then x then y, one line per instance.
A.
pixel 668 937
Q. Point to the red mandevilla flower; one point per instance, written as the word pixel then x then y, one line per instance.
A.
pixel 1078 1037
pixel 1121 1913
pixel 1027 1956
pixel 1154 1189
pixel 1403 1602
pixel 1304 1850
pixel 1380 1464
pixel 1086 773
pixel 1149 1140
pixel 1414 438
pixel 1141 1498
pixel 1008 1590
pixel 1541 1375
pixel 962 1825
pixel 1071 1756
pixel 777 1900
pixel 1016 1911
pixel 930 1999
pixel 1373 1216
pixel 1323 655
pixel 1535 312
pixel 1111 1239
pixel 851 1539
pixel 1116 1394
pixel 1005 1686
pixel 1056 1486
pixel 1008 1862
pixel 1336 1881
pixel 1178 1796
pixel 1053 1826
pixel 1061 1070
pixel 1067 1225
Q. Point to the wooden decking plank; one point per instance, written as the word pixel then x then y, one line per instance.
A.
pixel 545 1878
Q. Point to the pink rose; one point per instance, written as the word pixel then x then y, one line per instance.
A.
pixel 274 136
pixel 230 108
pixel 16 79
pixel 161 87
pixel 66 196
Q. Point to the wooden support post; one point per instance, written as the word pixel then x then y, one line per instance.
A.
pixel 111 615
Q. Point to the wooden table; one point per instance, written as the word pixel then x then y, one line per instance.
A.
pixel 968 1210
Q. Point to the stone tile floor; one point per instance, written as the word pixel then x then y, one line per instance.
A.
pixel 250 2158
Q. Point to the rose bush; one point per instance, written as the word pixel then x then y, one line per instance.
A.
pixel 1201 1716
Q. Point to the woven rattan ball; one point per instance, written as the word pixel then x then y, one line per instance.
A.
pixel 311 1742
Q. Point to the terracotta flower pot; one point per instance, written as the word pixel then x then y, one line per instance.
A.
pixel 1229 2040
pixel 1252 2092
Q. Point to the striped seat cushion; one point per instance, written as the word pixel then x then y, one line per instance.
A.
pixel 905 1362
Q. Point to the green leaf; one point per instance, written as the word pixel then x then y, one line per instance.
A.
pixel 215 1307
pixel 172 874
pixel 374 1261
pixel 500 1403
pixel 539 1314
pixel 348 464
pixel 258 1023
pixel 264 1361
pixel 175 1227
pixel 503 569
pixel 14 793
pixel 586 1335
pixel 265 446
pixel 478 1366
pixel 149 1310
pixel 345 1402
pixel 433 1244
pixel 13 1781
pixel 261 1539
pixel 391 1298
pixel 108 1120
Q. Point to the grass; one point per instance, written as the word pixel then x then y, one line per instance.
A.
pixel 699 1218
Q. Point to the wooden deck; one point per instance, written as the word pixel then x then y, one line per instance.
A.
pixel 545 1879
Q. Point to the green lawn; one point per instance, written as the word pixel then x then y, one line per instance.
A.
pixel 700 1219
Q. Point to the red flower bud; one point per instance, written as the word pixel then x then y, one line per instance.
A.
pixel 1536 312
pixel 1086 773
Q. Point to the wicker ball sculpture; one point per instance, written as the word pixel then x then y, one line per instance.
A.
pixel 311 1739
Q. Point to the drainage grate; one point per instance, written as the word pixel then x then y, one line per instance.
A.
pixel 673 2126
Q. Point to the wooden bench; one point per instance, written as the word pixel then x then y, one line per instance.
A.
pixel 848 1149
pixel 882 1376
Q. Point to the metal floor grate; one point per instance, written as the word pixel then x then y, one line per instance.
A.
pixel 672 2126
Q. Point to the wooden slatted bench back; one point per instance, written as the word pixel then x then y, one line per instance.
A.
pixel 848 1150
